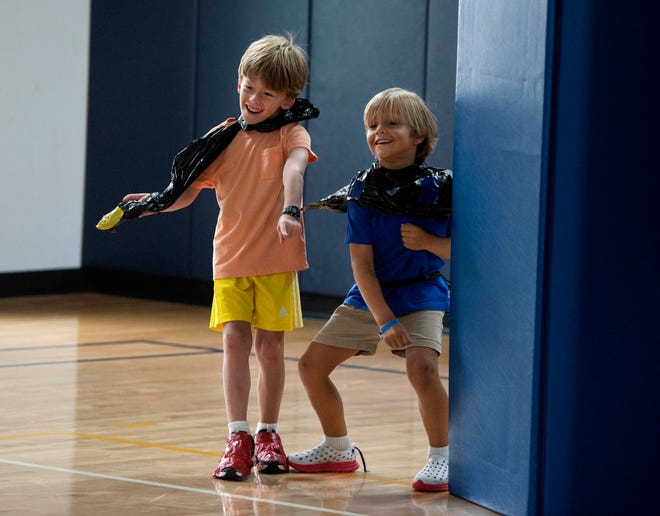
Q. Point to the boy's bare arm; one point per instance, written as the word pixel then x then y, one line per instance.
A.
pixel 362 262
pixel 417 239
pixel 293 180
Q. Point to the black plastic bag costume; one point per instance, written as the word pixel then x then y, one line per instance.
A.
pixel 417 190
pixel 189 163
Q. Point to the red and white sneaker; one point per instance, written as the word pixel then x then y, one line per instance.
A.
pixel 434 476
pixel 238 459
pixel 270 453
pixel 324 458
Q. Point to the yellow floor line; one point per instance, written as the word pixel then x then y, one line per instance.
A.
pixel 143 444
pixel 24 436
pixel 137 425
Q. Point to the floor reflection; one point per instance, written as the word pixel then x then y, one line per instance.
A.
pixel 325 493
pixel 265 495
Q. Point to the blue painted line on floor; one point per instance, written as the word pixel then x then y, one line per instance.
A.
pixel 198 350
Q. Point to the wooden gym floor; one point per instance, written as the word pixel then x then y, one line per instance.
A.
pixel 113 405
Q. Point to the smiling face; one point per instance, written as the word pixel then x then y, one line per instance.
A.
pixel 259 102
pixel 396 120
pixel 392 142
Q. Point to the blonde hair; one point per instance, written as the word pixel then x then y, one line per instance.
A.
pixel 410 110
pixel 278 62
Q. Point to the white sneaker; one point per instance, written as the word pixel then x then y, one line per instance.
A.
pixel 434 476
pixel 324 458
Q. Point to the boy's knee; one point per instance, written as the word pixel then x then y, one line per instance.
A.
pixel 235 344
pixel 421 372
pixel 306 368
pixel 303 365
pixel 269 355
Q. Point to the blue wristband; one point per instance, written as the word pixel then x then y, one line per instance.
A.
pixel 387 326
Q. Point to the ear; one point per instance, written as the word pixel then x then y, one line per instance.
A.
pixel 238 88
pixel 290 101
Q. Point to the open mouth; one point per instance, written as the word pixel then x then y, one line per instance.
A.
pixel 252 110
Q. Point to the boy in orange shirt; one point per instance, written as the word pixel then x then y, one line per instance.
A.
pixel 259 243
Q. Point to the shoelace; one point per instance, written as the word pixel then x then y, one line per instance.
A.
pixel 364 464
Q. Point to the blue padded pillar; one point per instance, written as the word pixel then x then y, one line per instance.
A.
pixel 554 355
pixel 498 164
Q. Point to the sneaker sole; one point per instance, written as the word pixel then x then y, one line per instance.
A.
pixel 230 474
pixel 418 485
pixel 326 467
pixel 272 468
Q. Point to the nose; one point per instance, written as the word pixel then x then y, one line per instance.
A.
pixel 253 98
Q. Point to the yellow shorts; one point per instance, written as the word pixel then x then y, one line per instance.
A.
pixel 270 302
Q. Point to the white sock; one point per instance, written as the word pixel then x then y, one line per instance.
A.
pixel 439 452
pixel 238 426
pixel 339 443
pixel 271 427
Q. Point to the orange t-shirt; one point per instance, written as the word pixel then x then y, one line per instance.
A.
pixel 247 179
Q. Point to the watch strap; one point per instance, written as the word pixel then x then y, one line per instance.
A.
pixel 294 211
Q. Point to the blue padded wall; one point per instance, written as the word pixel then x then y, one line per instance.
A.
pixel 554 362
pixel 498 166
pixel 600 412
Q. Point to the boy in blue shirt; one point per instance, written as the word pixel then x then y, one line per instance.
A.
pixel 398 233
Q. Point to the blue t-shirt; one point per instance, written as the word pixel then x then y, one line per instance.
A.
pixel 393 262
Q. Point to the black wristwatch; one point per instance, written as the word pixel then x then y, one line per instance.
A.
pixel 294 211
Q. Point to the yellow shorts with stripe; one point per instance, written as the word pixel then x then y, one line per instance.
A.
pixel 269 302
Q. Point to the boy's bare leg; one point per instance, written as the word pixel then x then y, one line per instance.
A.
pixel 237 345
pixel 422 370
pixel 315 366
pixel 269 349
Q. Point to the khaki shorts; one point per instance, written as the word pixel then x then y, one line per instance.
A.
pixel 269 302
pixel 352 328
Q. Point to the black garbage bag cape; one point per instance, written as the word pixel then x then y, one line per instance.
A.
pixel 189 163
pixel 417 190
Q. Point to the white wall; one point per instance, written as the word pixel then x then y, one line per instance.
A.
pixel 44 47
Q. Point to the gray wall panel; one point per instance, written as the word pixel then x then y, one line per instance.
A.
pixel 441 76
pixel 141 82
pixel 355 54
pixel 225 31
pixel 172 75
